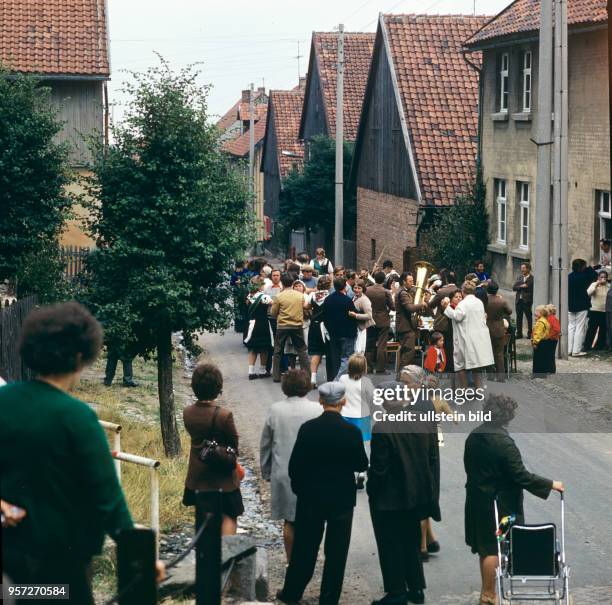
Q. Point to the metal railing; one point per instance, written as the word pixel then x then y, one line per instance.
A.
pixel 120 456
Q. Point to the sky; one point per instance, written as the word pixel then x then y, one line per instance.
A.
pixel 240 42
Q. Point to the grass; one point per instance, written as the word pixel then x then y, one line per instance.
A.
pixel 137 411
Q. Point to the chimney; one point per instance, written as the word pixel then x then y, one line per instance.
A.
pixel 302 82
pixel 246 95
pixel 262 90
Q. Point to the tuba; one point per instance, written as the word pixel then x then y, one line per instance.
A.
pixel 422 271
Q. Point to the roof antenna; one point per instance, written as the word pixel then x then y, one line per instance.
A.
pixel 299 56
pixel 474 8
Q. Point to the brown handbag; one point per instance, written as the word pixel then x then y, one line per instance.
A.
pixel 219 458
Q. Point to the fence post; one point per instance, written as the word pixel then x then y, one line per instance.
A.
pixel 208 549
pixel 136 558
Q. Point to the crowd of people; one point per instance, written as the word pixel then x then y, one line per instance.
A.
pixel 316 454
pixel 316 462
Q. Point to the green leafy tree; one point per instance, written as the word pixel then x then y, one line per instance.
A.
pixel 459 234
pixel 170 216
pixel 34 202
pixel 307 199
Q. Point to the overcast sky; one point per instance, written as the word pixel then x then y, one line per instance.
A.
pixel 240 42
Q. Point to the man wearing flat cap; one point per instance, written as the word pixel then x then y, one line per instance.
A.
pixel 328 452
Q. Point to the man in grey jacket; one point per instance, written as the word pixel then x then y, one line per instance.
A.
pixel 277 440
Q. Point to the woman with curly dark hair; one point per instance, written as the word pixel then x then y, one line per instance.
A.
pixel 494 468
pixel 58 481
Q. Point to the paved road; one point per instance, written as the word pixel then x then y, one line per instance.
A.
pixel 561 433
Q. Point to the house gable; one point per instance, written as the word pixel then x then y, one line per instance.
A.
pixel 381 161
pixel 314 120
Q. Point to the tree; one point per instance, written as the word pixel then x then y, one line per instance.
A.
pixel 34 202
pixel 459 234
pixel 170 216
pixel 307 199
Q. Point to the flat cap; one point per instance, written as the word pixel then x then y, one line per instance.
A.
pixel 331 392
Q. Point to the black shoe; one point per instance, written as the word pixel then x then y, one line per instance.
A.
pixel 383 373
pixel 253 376
pixel 393 599
pixel 276 380
pixel 107 382
pixel 416 596
pixel 283 599
pixel 433 547
pixel 424 556
pixel 264 374
pixel 360 481
pixel 129 383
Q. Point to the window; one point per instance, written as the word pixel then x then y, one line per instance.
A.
pixel 523 191
pixel 504 82
pixel 527 81
pixel 373 249
pixel 605 215
pixel 500 191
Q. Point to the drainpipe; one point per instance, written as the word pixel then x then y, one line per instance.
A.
pixel 480 98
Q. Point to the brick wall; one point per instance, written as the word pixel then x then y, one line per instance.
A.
pixel 508 153
pixel 390 220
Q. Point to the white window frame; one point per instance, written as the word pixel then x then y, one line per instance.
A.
pixel 504 82
pixel 525 217
pixel 501 193
pixel 527 81
pixel 604 214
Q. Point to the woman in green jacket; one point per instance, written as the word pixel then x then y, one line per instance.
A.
pixel 60 492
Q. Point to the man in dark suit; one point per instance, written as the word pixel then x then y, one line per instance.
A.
pixel 382 303
pixel 497 310
pixel 342 328
pixel 405 322
pixel 328 452
pixel 403 488
pixel 524 299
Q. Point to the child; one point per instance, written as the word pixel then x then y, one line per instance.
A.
pixel 539 335
pixel 435 359
pixel 258 336
pixel 359 394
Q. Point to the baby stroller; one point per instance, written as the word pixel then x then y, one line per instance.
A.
pixel 531 561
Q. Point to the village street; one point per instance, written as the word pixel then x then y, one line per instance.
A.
pixel 582 459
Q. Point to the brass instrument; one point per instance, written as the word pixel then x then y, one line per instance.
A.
pixel 422 270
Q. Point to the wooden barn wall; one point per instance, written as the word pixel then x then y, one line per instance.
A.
pixel 81 108
pixel 383 162
pixel 270 170
pixel 314 113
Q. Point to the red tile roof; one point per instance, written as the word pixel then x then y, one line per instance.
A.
pixel 439 93
pixel 358 49
pixel 523 16
pixel 286 112
pixel 54 37
pixel 240 146
pixel 229 118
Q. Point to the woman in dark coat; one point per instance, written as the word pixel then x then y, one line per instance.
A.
pixel 258 337
pixel 494 467
pixel 206 420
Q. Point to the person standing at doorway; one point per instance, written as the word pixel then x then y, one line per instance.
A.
pixel 524 300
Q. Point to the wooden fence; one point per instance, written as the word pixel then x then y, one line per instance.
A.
pixel 73 258
pixel 11 320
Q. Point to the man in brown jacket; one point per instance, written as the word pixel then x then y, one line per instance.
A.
pixel 497 310
pixel 288 308
pixel 382 303
pixel 405 323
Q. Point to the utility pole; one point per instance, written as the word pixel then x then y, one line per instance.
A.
pixel 251 140
pixel 339 231
pixel 560 260
pixel 543 141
